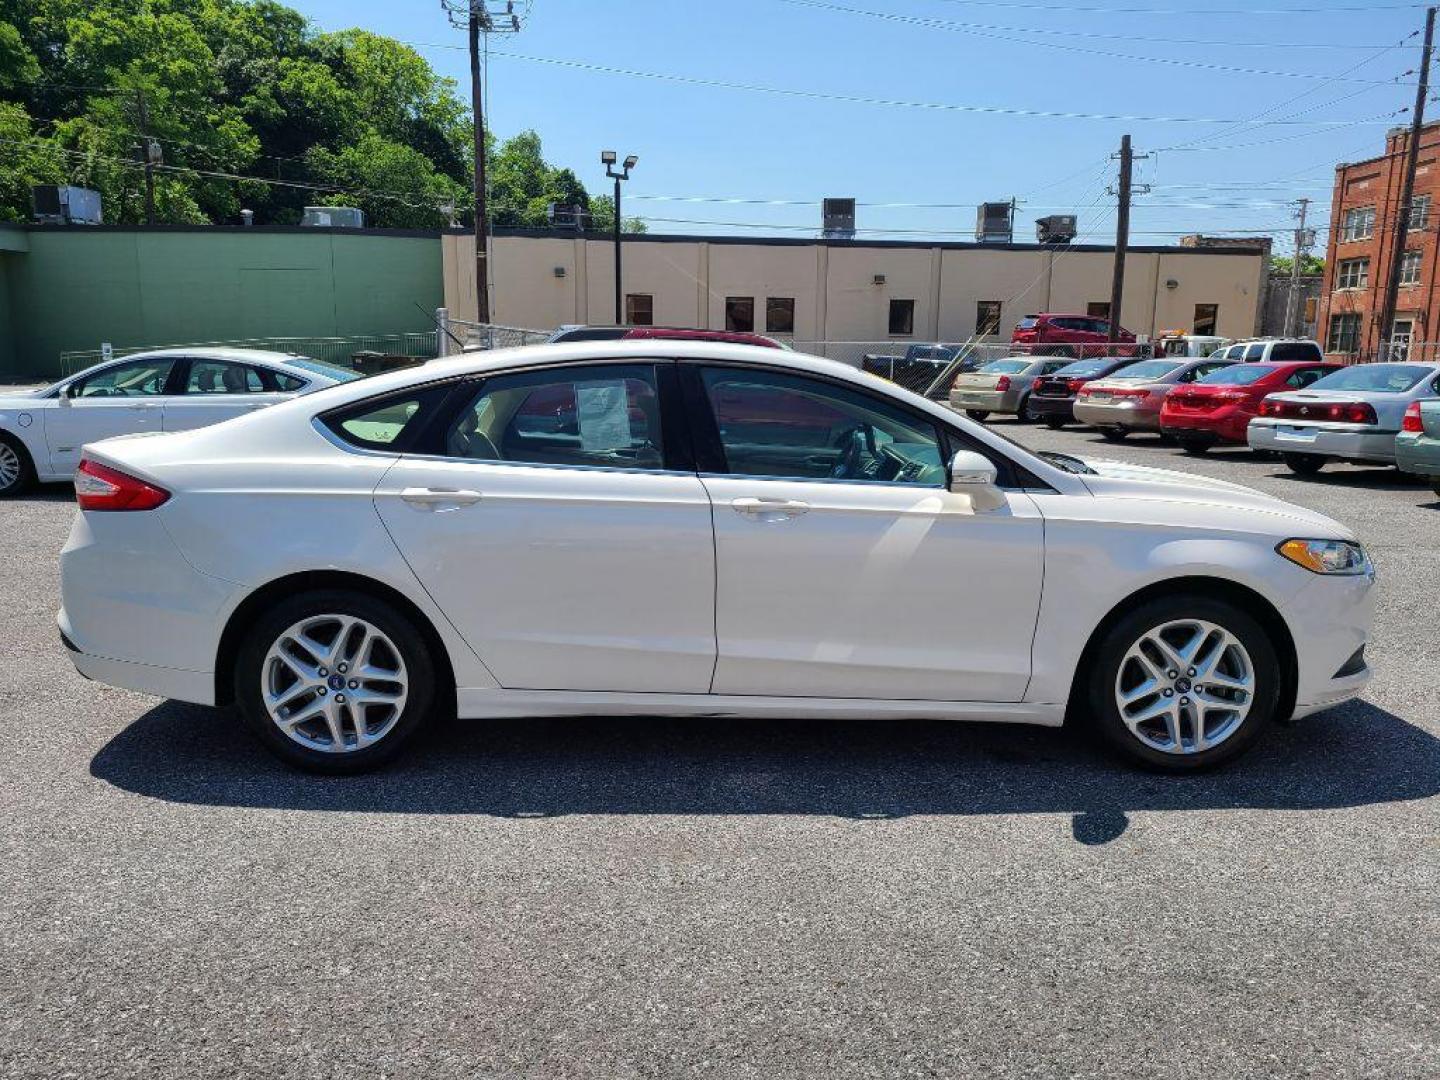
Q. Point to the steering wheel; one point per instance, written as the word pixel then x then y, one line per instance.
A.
pixel 860 439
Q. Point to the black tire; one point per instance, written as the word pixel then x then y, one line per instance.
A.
pixel 25 478
pixel 1023 413
pixel 1304 464
pixel 1194 446
pixel 1113 434
pixel 1435 487
pixel 409 642
pixel 978 415
pixel 1054 423
pixel 1105 671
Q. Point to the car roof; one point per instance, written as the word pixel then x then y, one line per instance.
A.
pixel 216 352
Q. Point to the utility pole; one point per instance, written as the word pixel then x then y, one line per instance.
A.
pixel 481 17
pixel 1122 234
pixel 1407 189
pixel 148 148
pixel 1303 238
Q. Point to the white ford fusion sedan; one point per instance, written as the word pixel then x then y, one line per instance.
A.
pixel 662 527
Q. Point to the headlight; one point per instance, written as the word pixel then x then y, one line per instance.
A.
pixel 1326 556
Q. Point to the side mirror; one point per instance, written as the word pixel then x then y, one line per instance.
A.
pixel 974 475
pixel 66 393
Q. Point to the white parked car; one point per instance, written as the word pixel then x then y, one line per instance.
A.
pixel 42 431
pixel 660 527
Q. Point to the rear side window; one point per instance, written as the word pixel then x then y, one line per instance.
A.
pixel 393 422
pixel 1255 351
pixel 223 377
pixel 1295 350
pixel 1027 323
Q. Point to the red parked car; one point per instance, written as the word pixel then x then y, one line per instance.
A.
pixel 1219 407
pixel 1068 335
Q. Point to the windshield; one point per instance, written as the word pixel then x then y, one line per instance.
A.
pixel 323 367
pixel 1150 369
pixel 1004 367
pixel 1238 374
pixel 1381 378
pixel 1085 367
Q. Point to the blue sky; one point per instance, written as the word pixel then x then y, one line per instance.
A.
pixel 1331 61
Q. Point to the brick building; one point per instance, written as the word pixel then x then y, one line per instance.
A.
pixel 1364 213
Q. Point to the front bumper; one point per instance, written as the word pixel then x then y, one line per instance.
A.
pixel 1416 452
pixel 1348 442
pixel 1133 415
pixel 1331 619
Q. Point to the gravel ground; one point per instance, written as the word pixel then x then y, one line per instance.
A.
pixel 650 899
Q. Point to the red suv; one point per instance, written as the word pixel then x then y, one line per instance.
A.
pixel 1219 406
pixel 1068 335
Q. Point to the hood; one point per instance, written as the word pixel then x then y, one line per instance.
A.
pixel 20 399
pixel 1117 479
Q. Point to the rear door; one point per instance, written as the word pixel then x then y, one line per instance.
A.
pixel 212 390
pixel 557 521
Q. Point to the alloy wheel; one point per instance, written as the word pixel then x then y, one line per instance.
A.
pixel 334 683
pixel 9 466
pixel 1185 686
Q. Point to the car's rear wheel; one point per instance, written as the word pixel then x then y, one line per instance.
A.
pixel 978 415
pixel 1184 683
pixel 1113 434
pixel 1304 464
pixel 1023 413
pixel 1054 423
pixel 1194 446
pixel 17 471
pixel 334 681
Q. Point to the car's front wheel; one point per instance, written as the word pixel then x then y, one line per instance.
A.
pixel 1303 464
pixel 1113 434
pixel 1184 683
pixel 1195 446
pixel 17 472
pixel 334 681
pixel 978 415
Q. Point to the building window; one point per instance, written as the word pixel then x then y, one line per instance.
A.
pixel 1410 268
pixel 1344 333
pixel 987 317
pixel 1207 317
pixel 1419 212
pixel 1352 274
pixel 1098 309
pixel 639 309
pixel 1359 223
pixel 1402 331
pixel 740 314
pixel 780 315
pixel 902 317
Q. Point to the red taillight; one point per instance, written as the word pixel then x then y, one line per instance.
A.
pixel 1357 412
pixel 1002 383
pixel 1036 384
pixel 1412 421
pixel 1269 408
pixel 1074 385
pixel 99 487
pixel 1134 392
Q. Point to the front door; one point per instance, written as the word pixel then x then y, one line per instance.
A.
pixel 556 529
pixel 125 398
pixel 844 568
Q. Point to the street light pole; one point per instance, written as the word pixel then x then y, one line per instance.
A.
pixel 608 158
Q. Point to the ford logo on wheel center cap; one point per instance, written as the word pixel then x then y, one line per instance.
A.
pixel 336 682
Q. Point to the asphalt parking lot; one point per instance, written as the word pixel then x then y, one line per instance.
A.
pixel 656 898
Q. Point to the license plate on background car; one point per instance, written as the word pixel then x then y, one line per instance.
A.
pixel 1298 434
pixel 1099 397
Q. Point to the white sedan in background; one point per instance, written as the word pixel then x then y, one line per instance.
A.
pixel 41 432
pixel 659 527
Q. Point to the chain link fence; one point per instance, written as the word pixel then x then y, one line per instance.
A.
pixel 416 345
pixel 462 335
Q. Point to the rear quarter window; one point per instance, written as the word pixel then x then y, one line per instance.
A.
pixel 392 422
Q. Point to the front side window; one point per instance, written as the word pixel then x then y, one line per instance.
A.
pixel 1255 350
pixel 1344 336
pixel 599 415
pixel 781 426
pixel 780 315
pixel 740 314
pixel 1207 318
pixel 902 317
pixel 639 309
pixel 1358 223
pixel 987 317
pixel 223 377
pixel 138 378
pixel 1352 274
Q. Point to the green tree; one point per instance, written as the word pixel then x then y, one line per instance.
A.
pixel 1313 264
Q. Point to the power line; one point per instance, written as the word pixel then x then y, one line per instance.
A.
pixel 1190 11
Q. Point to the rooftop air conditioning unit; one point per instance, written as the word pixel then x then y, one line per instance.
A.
pixel 993 224
pixel 58 204
pixel 837 219
pixel 336 217
pixel 1055 229
pixel 567 216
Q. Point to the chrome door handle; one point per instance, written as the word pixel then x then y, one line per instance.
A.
pixel 769 509
pixel 434 498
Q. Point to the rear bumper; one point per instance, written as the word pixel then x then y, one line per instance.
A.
pixel 163 682
pixel 1132 415
pixel 1007 401
pixel 1349 442
pixel 1416 452
pixel 1052 406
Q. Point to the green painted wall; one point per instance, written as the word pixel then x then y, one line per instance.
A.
pixel 77 287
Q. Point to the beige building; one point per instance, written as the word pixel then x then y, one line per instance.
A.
pixel 853 295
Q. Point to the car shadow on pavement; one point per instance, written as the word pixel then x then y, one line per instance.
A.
pixel 1353 755
pixel 60 491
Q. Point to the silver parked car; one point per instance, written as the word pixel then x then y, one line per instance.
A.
pixel 1002 386
pixel 1130 399
pixel 1352 414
